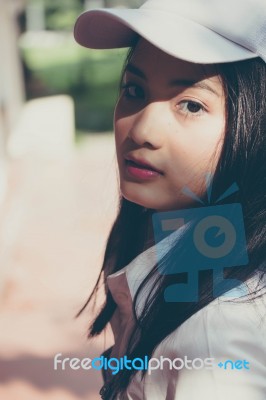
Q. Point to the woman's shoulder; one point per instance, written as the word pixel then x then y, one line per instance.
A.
pixel 227 323
pixel 229 334
pixel 247 302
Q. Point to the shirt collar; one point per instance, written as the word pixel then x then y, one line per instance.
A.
pixel 140 266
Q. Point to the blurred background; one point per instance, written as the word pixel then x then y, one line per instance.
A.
pixel 58 194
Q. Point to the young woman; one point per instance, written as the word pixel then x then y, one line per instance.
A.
pixel 192 105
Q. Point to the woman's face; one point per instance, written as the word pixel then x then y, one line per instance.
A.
pixel 171 116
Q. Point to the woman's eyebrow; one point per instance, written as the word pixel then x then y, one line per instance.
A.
pixel 136 71
pixel 177 82
pixel 195 84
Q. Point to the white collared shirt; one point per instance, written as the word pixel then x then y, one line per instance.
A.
pixel 223 331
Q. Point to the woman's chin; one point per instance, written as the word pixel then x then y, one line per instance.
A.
pixel 148 198
pixel 142 196
pixel 137 200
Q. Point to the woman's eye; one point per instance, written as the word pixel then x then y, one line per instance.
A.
pixel 133 91
pixel 191 107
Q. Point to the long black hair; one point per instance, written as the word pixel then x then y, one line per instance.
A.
pixel 242 160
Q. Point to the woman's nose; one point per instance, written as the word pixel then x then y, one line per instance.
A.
pixel 149 125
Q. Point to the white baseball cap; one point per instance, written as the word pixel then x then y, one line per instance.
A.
pixel 200 31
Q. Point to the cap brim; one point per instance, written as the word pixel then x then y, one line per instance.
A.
pixel 175 35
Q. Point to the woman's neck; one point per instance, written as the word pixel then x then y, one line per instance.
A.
pixel 149 240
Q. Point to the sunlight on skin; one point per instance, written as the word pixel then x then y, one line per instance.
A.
pixel 172 115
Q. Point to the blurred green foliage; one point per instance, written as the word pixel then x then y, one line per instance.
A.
pixel 61 14
pixel 91 77
pixel 55 64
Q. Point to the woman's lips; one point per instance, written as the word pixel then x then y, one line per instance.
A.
pixel 142 163
pixel 141 171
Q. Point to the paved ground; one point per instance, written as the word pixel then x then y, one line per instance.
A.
pixel 54 224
